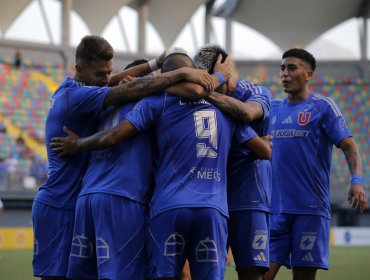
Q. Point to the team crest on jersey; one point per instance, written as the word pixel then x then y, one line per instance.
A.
pixel 303 118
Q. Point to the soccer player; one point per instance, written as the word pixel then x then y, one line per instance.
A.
pixel 189 206
pixel 249 178
pixel 76 104
pixel 113 196
pixel 304 127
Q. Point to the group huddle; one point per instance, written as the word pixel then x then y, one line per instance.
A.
pixel 173 160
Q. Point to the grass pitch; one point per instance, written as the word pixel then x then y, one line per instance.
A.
pixel 345 263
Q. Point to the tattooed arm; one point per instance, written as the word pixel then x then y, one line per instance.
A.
pixel 144 86
pixel 72 143
pixel 242 111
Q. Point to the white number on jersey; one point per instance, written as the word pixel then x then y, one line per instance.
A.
pixel 206 127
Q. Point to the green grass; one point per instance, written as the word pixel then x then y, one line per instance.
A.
pixel 346 263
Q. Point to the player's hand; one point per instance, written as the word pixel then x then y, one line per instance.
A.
pixel 268 139
pixel 357 197
pixel 160 59
pixel 200 77
pixel 225 68
pixel 64 146
pixel 127 79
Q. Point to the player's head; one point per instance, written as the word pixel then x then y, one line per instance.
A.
pixel 135 63
pixel 176 59
pixel 296 70
pixel 302 54
pixel 94 60
pixel 206 57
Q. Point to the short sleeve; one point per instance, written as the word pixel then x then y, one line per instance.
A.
pixel 243 132
pixel 247 91
pixel 85 99
pixel 334 124
pixel 145 112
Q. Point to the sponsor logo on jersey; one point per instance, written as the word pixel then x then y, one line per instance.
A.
pixel 288 120
pixel 260 257
pixel 308 240
pixel 308 258
pixel 289 133
pixel 204 173
pixel 259 241
pixel 303 118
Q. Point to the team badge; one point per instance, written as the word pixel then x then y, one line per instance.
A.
pixel 303 118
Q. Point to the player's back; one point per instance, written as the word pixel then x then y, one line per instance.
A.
pixel 249 178
pixel 194 138
pixel 124 169
pixel 75 106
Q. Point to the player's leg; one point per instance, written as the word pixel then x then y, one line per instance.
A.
pixel 53 229
pixel 82 259
pixel 310 246
pixel 207 249
pixel 280 244
pixel 167 243
pixel 304 273
pixel 273 271
pixel 120 236
pixel 249 241
pixel 185 274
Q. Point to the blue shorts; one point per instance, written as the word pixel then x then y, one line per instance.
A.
pixel 108 238
pixel 300 240
pixel 53 230
pixel 196 234
pixel 249 238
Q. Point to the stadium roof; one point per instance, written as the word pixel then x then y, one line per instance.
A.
pixel 286 22
pixel 294 22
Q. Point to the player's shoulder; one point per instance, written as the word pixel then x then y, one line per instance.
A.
pixel 253 87
pixel 325 102
pixel 277 102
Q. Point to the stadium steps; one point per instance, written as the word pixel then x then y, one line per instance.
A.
pixel 30 142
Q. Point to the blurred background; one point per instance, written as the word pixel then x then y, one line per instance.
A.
pixel 37 43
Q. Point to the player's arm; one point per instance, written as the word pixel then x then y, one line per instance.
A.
pixel 138 71
pixel 144 86
pixel 260 146
pixel 242 111
pixel 194 91
pixel 72 143
pixel 356 193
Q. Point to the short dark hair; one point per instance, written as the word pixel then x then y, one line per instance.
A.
pixel 135 63
pixel 206 57
pixel 175 61
pixel 92 48
pixel 302 54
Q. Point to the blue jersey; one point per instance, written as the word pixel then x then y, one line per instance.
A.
pixel 193 139
pixel 303 137
pixel 75 106
pixel 249 186
pixel 124 169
